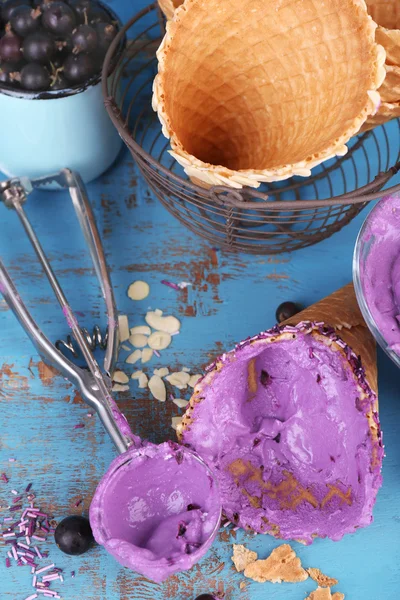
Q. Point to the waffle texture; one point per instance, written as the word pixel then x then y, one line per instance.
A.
pixel 168 7
pixel 386 13
pixel 268 91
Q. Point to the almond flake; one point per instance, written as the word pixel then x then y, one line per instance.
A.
pixel 120 377
pixel 136 374
pixel 321 579
pixel 180 402
pixel 144 329
pixel 125 347
pixel 193 381
pixel 337 596
pixel 117 387
pixel 159 340
pixel 160 323
pixel 134 357
pixel 157 388
pixel 186 369
pixel 179 380
pixel 138 340
pixel 158 312
pixel 138 290
pixel 242 557
pixel 163 372
pixel 123 328
pixel 175 422
pixel 281 565
pixel 147 354
pixel 143 381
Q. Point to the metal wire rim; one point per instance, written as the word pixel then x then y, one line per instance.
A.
pixel 200 209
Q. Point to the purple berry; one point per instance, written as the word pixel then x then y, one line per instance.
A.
pixel 82 9
pixel 206 597
pixel 39 47
pixel 106 32
pixel 10 48
pixel 74 535
pixel 78 69
pixel 286 310
pixel 84 39
pixel 8 7
pixel 25 20
pixel 35 77
pixel 58 18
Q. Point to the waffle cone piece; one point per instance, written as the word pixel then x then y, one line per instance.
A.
pixel 386 13
pixel 276 496
pixel 268 92
pixel 169 6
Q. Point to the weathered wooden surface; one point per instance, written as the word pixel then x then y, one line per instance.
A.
pixel 232 296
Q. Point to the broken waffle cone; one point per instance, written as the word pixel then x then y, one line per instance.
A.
pixel 265 93
pixel 340 310
pixel 386 13
pixel 241 415
pixel 169 6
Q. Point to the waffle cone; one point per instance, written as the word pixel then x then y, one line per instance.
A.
pixel 386 13
pixel 168 7
pixel 268 92
pixel 340 310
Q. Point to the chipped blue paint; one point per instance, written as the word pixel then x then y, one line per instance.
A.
pixel 38 413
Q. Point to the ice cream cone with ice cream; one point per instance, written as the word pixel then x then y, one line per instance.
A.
pixel 289 421
pixel 386 13
pixel 264 91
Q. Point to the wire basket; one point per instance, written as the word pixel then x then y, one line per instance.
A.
pixel 278 217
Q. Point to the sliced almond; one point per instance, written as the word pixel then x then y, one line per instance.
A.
pixel 158 322
pixel 125 347
pixel 186 369
pixel 138 340
pixel 163 372
pixel 193 381
pixel 138 290
pixel 179 380
pixel 123 328
pixel 157 388
pixel 120 377
pixel 134 357
pixel 143 380
pixel 136 374
pixel 175 422
pixel 117 387
pixel 158 312
pixel 159 340
pixel 147 354
pixel 144 329
pixel 180 402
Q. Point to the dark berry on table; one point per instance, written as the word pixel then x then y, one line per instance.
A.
pixel 35 77
pixel 82 9
pixel 25 20
pixel 8 7
pixel 73 535
pixel 10 48
pixel 58 18
pixel 106 32
pixel 78 69
pixel 206 597
pixel 39 47
pixel 84 39
pixel 286 310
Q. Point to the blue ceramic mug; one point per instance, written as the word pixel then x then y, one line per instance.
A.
pixel 43 132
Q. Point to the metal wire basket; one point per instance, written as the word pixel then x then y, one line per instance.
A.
pixel 279 217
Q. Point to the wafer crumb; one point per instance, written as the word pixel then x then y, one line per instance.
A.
pixel 281 565
pixel 242 585
pixel 324 593
pixel 321 579
pixel 242 557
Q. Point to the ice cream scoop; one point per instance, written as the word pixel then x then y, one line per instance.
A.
pixel 377 273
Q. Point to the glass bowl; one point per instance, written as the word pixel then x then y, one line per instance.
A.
pixel 365 243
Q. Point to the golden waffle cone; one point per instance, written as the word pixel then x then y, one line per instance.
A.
pixel 386 13
pixel 168 7
pixel 266 92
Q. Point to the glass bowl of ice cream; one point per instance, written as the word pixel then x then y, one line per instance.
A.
pixel 376 272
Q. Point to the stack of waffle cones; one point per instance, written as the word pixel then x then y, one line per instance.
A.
pixel 265 92
pixel 386 13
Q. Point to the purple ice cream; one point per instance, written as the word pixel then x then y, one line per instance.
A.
pixel 380 269
pixel 157 510
pixel 290 425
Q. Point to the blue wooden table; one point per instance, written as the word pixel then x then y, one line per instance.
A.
pixel 231 297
